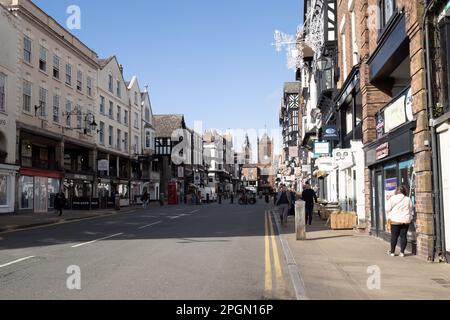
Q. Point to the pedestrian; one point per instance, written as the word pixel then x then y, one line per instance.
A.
pixel 60 202
pixel 309 196
pixel 293 195
pixel 284 203
pixel 232 198
pixel 399 214
pixel 145 200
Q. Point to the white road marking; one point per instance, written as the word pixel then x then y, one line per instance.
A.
pixel 175 217
pixel 17 261
pixel 150 225
pixel 195 211
pixel 93 241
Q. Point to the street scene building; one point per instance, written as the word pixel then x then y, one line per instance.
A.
pixel 134 163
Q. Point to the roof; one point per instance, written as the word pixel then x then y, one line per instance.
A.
pixel 166 124
pixel 104 62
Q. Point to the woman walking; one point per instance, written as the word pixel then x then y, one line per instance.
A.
pixel 399 214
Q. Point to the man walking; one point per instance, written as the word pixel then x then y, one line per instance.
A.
pixel 60 202
pixel 284 202
pixel 310 197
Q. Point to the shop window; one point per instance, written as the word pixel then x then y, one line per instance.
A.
pixel 53 189
pixel 26 189
pixel 3 190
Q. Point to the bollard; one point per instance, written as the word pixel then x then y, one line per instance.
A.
pixel 300 220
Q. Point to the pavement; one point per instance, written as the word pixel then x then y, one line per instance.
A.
pixel 210 252
pixel 346 265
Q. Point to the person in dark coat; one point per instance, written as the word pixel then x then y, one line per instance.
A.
pixel 60 202
pixel 310 197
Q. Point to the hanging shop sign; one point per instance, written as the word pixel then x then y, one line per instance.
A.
pixel 343 158
pixel 397 113
pixel 330 133
pixel 322 148
pixel 382 151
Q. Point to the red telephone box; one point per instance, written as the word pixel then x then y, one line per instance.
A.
pixel 172 197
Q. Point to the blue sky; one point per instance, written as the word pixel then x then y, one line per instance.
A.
pixel 207 59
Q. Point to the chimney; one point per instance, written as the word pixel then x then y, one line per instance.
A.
pixel 121 69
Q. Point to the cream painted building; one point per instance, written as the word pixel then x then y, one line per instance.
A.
pixel 9 35
pixel 114 143
pixel 55 111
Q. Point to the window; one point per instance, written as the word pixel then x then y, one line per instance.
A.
pixel 79 80
pixel 68 111
pixel 111 137
pixel 119 89
pixel 56 63
pixel 354 39
pixel 26 189
pixel 102 105
pixel 119 112
pixel 349 121
pixel 110 84
pixel 135 98
pixel 43 59
pixel 111 110
pixel 136 145
pixel 43 94
pixel 3 190
pixel 344 49
pixel 56 99
pixel 136 120
pixel 89 86
pixel 2 92
pixel 125 142
pixel 119 139
pixel 125 118
pixel 102 133
pixel 387 9
pixel 69 74
pixel 79 117
pixel 27 49
pixel 148 138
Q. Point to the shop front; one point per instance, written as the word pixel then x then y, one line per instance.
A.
pixel 37 189
pixel 78 189
pixel 7 187
pixel 391 163
pixel 122 188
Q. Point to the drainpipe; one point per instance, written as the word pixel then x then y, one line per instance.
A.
pixel 438 248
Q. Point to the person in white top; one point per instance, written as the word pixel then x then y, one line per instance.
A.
pixel 399 210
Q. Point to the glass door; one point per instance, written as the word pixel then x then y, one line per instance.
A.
pixel 380 220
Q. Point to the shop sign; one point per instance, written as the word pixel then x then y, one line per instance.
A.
pixel 321 148
pixel 343 158
pixel 103 165
pixel 330 133
pixel 79 177
pixel 197 178
pixel 383 151
pixel 409 105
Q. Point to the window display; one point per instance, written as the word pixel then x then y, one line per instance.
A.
pixel 3 190
pixel 26 188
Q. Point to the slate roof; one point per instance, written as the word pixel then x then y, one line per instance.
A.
pixel 166 124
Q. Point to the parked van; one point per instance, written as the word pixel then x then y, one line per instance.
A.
pixel 208 191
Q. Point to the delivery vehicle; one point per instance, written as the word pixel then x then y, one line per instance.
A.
pixel 208 191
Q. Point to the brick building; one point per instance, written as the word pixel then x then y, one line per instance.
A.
pixel 367 80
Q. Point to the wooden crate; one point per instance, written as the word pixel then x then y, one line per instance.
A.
pixel 343 220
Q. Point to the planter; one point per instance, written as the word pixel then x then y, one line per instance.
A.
pixel 343 220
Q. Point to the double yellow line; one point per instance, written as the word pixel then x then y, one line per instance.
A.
pixel 272 287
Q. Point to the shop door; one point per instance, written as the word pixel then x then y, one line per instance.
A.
pixel 40 195
pixel 379 203
pixel 444 142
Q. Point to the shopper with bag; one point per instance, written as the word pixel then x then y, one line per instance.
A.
pixel 399 215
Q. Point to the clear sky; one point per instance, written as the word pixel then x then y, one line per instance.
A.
pixel 210 60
